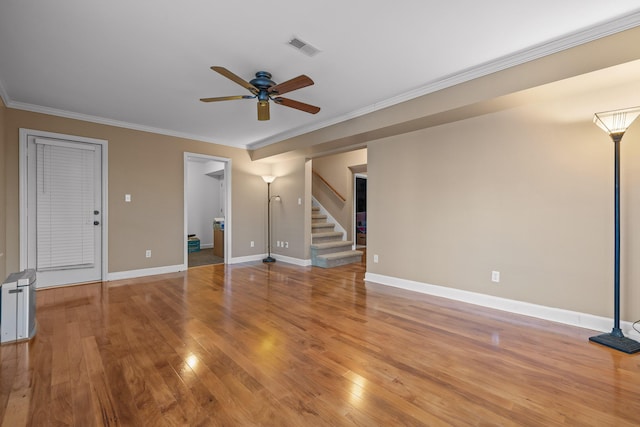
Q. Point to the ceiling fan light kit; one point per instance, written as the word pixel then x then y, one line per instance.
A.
pixel 263 110
pixel 264 89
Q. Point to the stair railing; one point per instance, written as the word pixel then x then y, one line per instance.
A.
pixel 329 185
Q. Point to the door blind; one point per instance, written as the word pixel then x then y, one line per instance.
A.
pixel 64 204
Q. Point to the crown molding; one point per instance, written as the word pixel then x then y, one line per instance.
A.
pixel 3 94
pixel 110 122
pixel 577 38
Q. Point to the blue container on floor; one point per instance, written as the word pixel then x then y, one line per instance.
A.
pixel 193 245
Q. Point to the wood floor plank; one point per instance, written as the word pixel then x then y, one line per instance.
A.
pixel 280 345
pixel 82 409
pixel 19 397
pixel 101 395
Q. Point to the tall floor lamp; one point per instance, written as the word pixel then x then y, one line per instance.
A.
pixel 269 179
pixel 615 123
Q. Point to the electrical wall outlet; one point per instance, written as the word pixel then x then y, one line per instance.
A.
pixel 495 276
pixel 148 253
pixel 253 243
pixel 286 245
pixel 127 197
pixel 375 258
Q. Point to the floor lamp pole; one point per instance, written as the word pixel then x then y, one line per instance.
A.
pixel 615 123
pixel 269 258
pixel 616 331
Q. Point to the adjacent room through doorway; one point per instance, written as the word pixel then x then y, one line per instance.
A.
pixel 205 209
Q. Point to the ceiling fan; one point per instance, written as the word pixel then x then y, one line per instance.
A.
pixel 265 89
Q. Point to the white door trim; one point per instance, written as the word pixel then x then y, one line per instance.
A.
pixel 24 136
pixel 227 217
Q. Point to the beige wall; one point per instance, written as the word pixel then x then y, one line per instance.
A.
pixel 289 219
pixel 525 191
pixel 335 169
pixel 3 271
pixel 150 168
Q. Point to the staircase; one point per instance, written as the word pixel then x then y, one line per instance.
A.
pixel 327 247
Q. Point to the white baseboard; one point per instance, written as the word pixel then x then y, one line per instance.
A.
pixel 282 258
pixel 294 261
pixel 250 258
pixel 574 318
pixel 118 275
pixel 206 245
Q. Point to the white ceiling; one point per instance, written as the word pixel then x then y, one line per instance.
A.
pixel 144 64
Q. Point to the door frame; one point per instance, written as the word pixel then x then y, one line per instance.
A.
pixel 227 213
pixel 22 155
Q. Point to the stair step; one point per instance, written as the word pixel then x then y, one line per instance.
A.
pixel 329 247
pixel 326 236
pixel 315 208
pixel 338 258
pixel 316 217
pixel 320 226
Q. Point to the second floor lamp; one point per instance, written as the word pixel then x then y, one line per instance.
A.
pixel 615 123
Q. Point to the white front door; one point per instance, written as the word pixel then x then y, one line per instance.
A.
pixel 64 210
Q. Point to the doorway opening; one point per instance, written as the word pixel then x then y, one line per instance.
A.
pixel 207 209
pixel 360 210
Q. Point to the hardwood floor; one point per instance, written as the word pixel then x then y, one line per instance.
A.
pixel 280 345
pixel 202 257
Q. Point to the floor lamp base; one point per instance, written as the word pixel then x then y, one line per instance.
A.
pixel 618 343
pixel 269 259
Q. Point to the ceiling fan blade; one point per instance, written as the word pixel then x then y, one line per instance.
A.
pixel 225 98
pixel 293 84
pixel 263 110
pixel 307 108
pixel 242 82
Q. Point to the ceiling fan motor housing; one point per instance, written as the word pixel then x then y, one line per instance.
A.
pixel 263 82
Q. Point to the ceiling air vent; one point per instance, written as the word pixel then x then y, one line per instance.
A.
pixel 303 47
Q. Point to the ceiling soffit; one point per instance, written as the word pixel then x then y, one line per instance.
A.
pixel 482 95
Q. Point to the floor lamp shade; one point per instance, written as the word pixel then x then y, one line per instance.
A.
pixel 615 123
